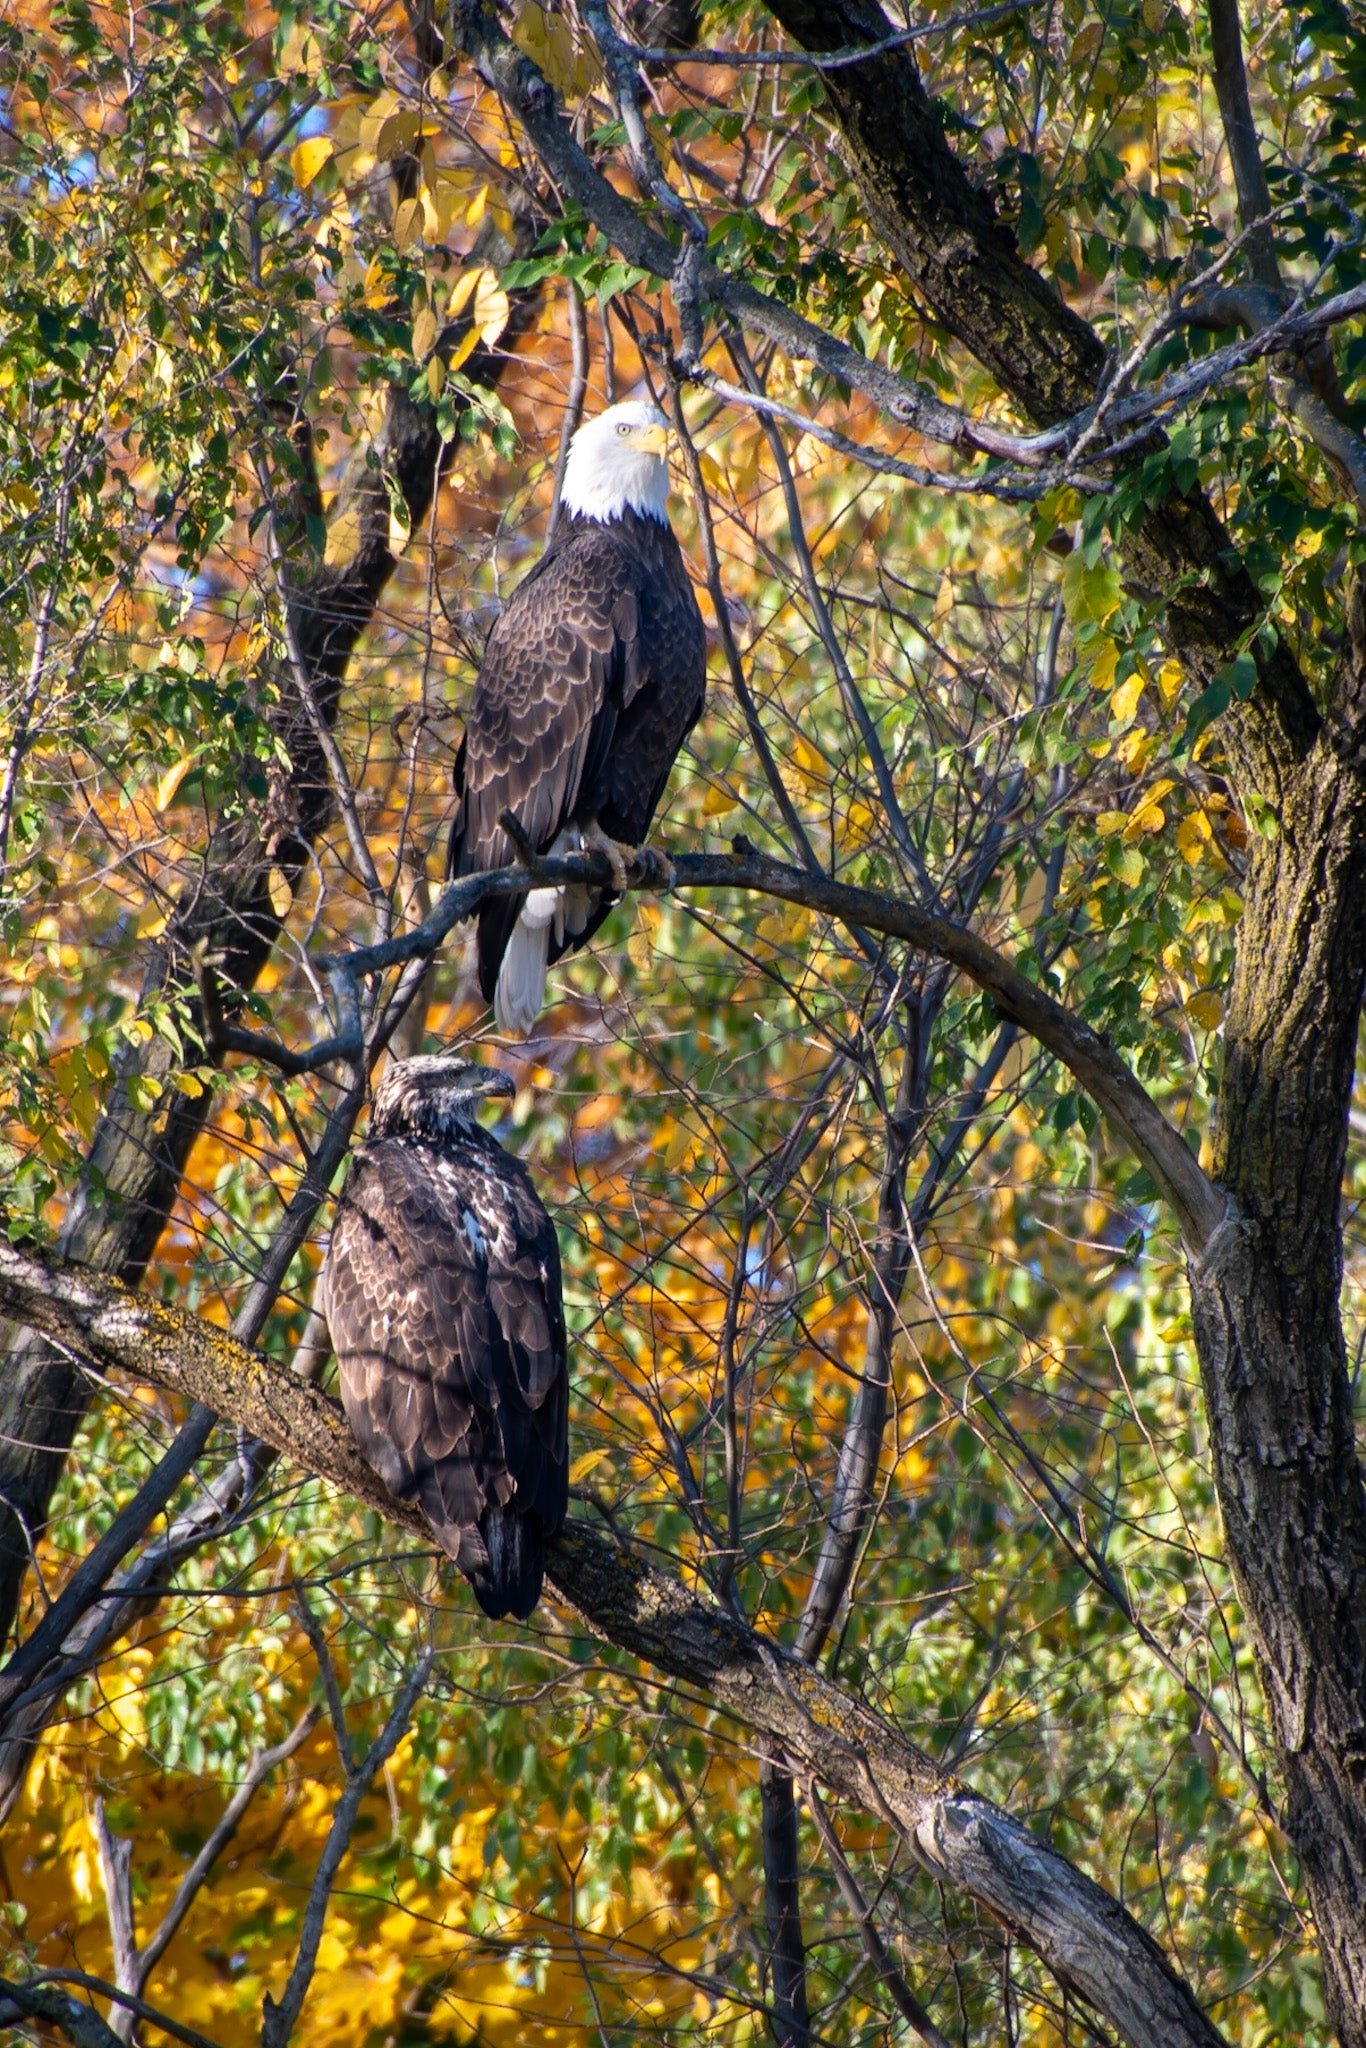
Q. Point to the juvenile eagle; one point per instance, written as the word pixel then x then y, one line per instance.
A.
pixel 592 679
pixel 442 1295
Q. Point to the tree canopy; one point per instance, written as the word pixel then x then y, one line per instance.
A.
pixel 960 1630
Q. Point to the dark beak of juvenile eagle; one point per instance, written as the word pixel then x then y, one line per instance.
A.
pixel 435 1092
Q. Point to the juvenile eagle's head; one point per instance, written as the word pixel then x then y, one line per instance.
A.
pixel 616 463
pixel 434 1096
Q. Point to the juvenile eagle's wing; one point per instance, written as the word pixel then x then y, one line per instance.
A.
pixel 443 1299
pixel 562 664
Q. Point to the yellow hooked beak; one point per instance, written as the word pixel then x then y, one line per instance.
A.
pixel 653 439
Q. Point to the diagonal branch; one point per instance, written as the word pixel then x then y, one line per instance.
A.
pixel 1083 1934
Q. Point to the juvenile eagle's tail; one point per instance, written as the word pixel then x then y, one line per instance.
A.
pixel 510 1582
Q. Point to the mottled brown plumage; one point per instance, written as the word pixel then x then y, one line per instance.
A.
pixel 592 679
pixel 443 1299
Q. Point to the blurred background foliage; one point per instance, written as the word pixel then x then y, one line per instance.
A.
pixel 200 236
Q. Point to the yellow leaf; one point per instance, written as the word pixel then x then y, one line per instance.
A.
pixel 1193 834
pixel 22 495
pixel 465 284
pixel 1169 678
pixel 465 348
pixel 189 1084
pixel 943 603
pixel 491 308
pixel 1088 42
pixel 474 212
pixel 552 46
pixel 1110 822
pixel 718 801
pixel 172 779
pixel 1148 818
pixel 1124 702
pixel 396 135
pixel 1104 665
pixel 436 376
pixel 308 159
pixel 1207 1008
pixel 1308 543
pixel 407 222
pixel 424 334
pixel 281 895
pixel 1154 14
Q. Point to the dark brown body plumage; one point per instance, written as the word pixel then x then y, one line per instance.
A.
pixel 443 1298
pixel 592 679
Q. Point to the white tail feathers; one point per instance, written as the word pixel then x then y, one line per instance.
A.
pixel 520 989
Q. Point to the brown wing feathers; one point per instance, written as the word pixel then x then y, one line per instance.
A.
pixel 442 1295
pixel 591 681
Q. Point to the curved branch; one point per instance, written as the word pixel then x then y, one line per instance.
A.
pixel 1198 1205
pixel 1083 1934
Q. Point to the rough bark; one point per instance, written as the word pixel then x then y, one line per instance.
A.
pixel 968 266
pixel 137 1157
pixel 1083 1934
pixel 1266 1302
pixel 1266 1288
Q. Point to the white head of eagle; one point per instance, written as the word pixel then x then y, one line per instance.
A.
pixel 443 1300
pixel 616 464
pixel 591 681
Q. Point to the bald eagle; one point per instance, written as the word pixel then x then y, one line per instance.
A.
pixel 443 1300
pixel 591 681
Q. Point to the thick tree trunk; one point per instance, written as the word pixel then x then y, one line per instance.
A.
pixel 1265 1296
pixel 1265 1292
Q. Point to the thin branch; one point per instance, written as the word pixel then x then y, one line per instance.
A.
pixel 828 1734
pixel 327 1671
pixel 81 2023
pixel 573 407
pixel 1199 1206
pixel 738 681
pixel 280 2017
pixel 259 1767
pixel 902 1996
pixel 835 60
pixel 42 632
pixel 116 1872
pixel 825 627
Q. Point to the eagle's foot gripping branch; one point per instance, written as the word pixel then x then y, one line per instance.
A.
pixel 651 868
pixel 622 858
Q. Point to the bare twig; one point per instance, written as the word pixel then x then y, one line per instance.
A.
pixel 327 1672
pixel 902 1996
pixel 573 405
pixel 132 1965
pixel 280 2017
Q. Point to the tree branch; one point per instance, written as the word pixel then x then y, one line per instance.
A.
pixel 1196 1202
pixel 1079 1930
